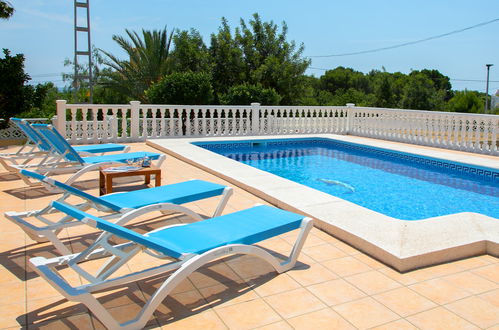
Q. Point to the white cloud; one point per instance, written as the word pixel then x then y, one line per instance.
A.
pixel 67 19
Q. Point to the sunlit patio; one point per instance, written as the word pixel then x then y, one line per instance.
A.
pixel 333 286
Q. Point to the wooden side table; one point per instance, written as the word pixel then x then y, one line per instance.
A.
pixel 106 177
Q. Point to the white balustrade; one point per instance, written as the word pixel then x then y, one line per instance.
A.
pixel 86 123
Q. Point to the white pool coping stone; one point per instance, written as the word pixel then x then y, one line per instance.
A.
pixel 404 245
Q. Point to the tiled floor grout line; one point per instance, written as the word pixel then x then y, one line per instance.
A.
pixel 331 307
pixel 245 281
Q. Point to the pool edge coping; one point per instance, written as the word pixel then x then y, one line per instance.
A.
pixel 404 245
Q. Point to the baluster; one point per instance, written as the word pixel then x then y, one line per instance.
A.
pixel 113 124
pixel 464 133
pixel 84 125
pixel 143 134
pixel 493 141
pixel 217 122
pixel 162 118
pixel 244 122
pixel 178 122
pixel 475 136
pixel 211 122
pixel 204 122
pixel 333 121
pixel 169 117
pixel 304 121
pixel 196 122
pixel 320 121
pixel 312 122
pixel 154 132
pixel 95 128
pixel 486 136
pixel 124 123
pixel 286 122
pixel 225 122
pixel 451 131
pixel 236 128
pixel 73 135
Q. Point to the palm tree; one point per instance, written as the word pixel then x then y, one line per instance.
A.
pixel 147 63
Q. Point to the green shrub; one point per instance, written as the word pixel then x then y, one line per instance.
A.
pixel 181 88
pixel 246 94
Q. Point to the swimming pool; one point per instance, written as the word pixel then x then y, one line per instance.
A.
pixel 396 184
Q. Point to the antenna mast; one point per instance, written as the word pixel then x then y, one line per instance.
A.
pixel 82 31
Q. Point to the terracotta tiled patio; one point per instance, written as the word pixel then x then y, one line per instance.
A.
pixel 334 286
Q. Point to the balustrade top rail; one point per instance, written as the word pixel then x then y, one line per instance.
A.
pixel 99 123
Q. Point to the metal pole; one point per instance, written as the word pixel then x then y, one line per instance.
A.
pixel 89 45
pixel 75 78
pixel 487 104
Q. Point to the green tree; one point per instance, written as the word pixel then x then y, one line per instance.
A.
pixel 15 97
pixel 419 93
pixel 227 59
pixel 6 9
pixel 340 79
pixel 147 62
pixel 246 94
pixel 190 52
pixel 270 60
pixel 440 82
pixel 182 88
pixel 41 101
pixel 466 101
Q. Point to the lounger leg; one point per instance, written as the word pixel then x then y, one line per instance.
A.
pixel 228 191
pixel 196 262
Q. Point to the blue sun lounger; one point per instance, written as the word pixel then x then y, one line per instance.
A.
pixel 39 150
pixel 186 248
pixel 43 146
pixel 68 159
pixel 39 228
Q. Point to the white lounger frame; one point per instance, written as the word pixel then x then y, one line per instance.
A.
pixel 49 231
pixel 120 254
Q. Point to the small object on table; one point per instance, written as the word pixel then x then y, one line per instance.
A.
pixel 108 173
pixel 146 162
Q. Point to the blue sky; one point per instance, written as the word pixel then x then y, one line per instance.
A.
pixel 43 31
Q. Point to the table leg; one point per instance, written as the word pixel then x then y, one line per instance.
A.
pixel 148 178
pixel 109 184
pixel 158 179
pixel 101 184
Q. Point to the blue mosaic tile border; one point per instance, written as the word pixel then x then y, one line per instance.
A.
pixel 470 170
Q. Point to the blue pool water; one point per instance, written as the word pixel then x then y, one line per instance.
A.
pixel 399 185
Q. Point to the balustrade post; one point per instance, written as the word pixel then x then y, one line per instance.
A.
pixel 349 112
pixel 134 120
pixel 255 118
pixel 61 116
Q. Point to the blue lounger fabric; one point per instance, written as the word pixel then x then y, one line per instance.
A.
pixel 244 227
pixel 117 230
pixel 31 134
pixel 100 148
pixel 120 157
pixel 64 148
pixel 177 193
